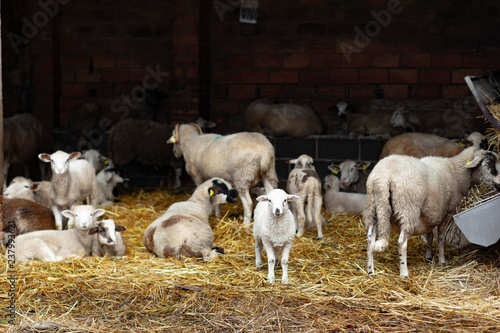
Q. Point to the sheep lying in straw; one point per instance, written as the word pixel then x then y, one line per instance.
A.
pixel 342 202
pixel 24 188
pixel 240 158
pixel 305 183
pixel 416 195
pixel 353 175
pixel 184 230
pixel 274 228
pixel 111 241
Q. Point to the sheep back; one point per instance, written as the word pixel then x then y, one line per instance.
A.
pixel 420 145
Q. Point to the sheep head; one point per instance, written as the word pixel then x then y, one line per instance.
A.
pixel 278 201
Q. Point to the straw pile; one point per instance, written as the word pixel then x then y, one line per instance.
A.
pixel 329 290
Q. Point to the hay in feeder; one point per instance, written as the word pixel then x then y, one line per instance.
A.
pixel 329 289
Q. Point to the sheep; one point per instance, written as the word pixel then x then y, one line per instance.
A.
pixel 94 157
pixel 352 175
pixel 111 241
pixel 304 182
pixel 107 179
pixel 73 180
pixel 279 120
pixel 274 228
pixel 416 195
pixel 55 245
pixel 22 140
pixel 240 158
pixel 341 202
pixel 408 121
pixel 143 141
pixel 24 188
pixel 356 124
pixel 423 144
pixel 22 216
pixel 184 229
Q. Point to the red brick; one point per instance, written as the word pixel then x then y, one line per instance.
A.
pixel 313 76
pixel 241 91
pixel 343 75
pixel 115 75
pixel 332 90
pixel 103 61
pixel 178 72
pixel 375 46
pixel 273 91
pixel 455 91
pixel 284 76
pixel 373 75
pixel 356 60
pixel 446 60
pixel 434 76
pixel 239 61
pixel 416 60
pixel 192 72
pixel 403 75
pixel 426 91
pixel 296 61
pixel 128 61
pixel 457 75
pixel 476 60
pixel 82 75
pixel 226 76
pixel 384 60
pixel 185 39
pixel 395 91
pixel 267 60
pixel 74 90
pixel 325 61
pixel 255 76
pixel 362 91
pixel 74 61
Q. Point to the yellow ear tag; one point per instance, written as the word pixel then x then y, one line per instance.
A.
pixel 468 163
pixel 106 162
pixel 211 192
pixel 335 171
pixel 173 139
pixel 364 166
pixel 461 143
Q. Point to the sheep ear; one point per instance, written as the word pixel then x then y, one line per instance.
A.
pixel 334 168
pixel 294 161
pixel 120 228
pixel 475 162
pixel 74 155
pixel 364 165
pixel 93 230
pixel 99 212
pixel 264 197
pixel 44 157
pixel 67 213
pixel 35 186
pixel 291 197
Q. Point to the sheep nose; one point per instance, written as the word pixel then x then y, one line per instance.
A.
pixel 277 212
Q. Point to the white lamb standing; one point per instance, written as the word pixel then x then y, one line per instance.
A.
pixel 342 202
pixel 304 182
pixel 184 229
pixel 274 228
pixel 73 181
pixel 55 245
pixel 416 195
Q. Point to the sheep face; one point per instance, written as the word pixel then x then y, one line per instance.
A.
pixel 303 162
pixel 486 168
pixel 332 183
pixel 398 118
pixel 221 192
pixel 59 161
pixel 277 201
pixel 82 216
pixel 21 188
pixel 349 171
pixel 106 229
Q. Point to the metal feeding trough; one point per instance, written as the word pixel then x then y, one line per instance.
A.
pixel 486 89
pixel 481 223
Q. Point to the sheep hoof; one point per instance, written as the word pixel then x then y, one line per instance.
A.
pixel 429 259
pixel 319 238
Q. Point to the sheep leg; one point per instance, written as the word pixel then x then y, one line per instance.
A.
pixel 285 254
pixel 258 253
pixel 440 236
pixel 270 262
pixel 318 218
pixel 178 174
pixel 402 248
pixel 57 217
pixel 218 212
pixel 371 237
pixel 301 218
pixel 428 252
pixel 246 201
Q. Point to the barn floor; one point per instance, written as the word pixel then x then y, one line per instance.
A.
pixel 329 290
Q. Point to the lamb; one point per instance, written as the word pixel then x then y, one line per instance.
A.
pixel 55 245
pixel 274 228
pixel 279 120
pixel 184 229
pixel 305 183
pixel 352 175
pixel 111 241
pixel 240 158
pixel 94 157
pixel 22 216
pixel 107 179
pixel 143 141
pixel 423 144
pixel 356 124
pixel 416 195
pixel 341 202
pixel 24 188
pixel 73 180
pixel 22 142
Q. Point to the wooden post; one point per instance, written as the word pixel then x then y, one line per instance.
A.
pixel 1 129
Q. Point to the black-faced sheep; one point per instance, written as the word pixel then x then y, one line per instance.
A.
pixel 352 175
pixel 274 228
pixel 341 202
pixel 416 195
pixel 184 229
pixel 240 158
pixel 279 120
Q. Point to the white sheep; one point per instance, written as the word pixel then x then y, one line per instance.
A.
pixel 352 175
pixel 356 124
pixel 274 228
pixel 111 241
pixel 55 245
pixel 94 157
pixel 184 229
pixel 22 140
pixel 304 182
pixel 290 120
pixel 24 188
pixel 416 195
pixel 341 202
pixel 240 158
pixel 107 179
pixel 73 181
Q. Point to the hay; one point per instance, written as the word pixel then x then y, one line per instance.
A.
pixel 329 290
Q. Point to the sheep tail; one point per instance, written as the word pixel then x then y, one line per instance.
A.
pixel 382 200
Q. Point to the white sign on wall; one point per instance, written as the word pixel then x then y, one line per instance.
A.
pixel 249 11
